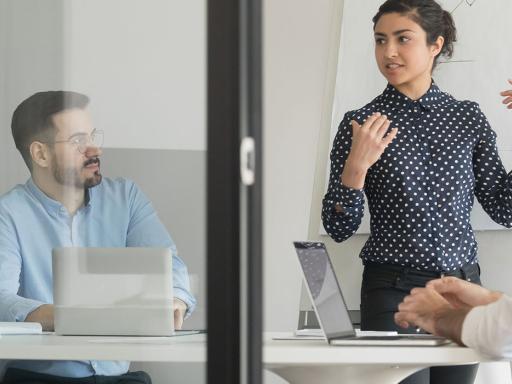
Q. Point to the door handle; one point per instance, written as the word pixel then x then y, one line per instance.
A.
pixel 247 163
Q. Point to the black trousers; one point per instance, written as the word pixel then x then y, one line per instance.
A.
pixel 20 376
pixel 383 288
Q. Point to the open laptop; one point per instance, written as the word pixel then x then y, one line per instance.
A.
pixel 113 291
pixel 331 309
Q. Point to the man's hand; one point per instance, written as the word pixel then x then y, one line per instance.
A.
pixel 42 315
pixel 427 309
pixel 180 308
pixel 420 308
pixel 441 307
pixel 507 96
pixel 461 293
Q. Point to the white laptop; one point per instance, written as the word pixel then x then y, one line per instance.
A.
pixel 113 291
pixel 331 309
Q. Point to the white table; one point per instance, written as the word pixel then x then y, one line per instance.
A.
pixel 191 348
pixel 314 361
pixel 308 361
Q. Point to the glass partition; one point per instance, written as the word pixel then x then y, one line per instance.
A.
pixel 134 76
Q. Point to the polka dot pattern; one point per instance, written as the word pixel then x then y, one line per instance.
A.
pixel 421 191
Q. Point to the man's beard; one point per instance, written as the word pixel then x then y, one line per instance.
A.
pixel 71 176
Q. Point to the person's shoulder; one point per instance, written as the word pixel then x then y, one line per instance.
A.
pixel 117 183
pixel 360 114
pixel 15 204
pixel 454 104
pixel 118 187
pixel 15 197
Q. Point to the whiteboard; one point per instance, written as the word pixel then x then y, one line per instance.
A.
pixel 478 71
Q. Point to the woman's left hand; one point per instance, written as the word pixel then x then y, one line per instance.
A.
pixel 507 96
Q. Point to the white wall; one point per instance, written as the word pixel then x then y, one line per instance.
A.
pixel 31 54
pixel 144 65
pixel 297 66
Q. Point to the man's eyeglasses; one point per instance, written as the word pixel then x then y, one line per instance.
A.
pixel 83 141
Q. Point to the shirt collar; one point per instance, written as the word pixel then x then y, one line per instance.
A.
pixel 431 99
pixel 52 206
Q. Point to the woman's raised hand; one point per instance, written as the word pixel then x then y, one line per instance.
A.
pixel 369 142
pixel 507 96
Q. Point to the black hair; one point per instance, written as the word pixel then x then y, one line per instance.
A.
pixel 429 15
pixel 32 119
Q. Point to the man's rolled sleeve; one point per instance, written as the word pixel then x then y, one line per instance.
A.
pixel 12 306
pixel 181 284
pixel 18 307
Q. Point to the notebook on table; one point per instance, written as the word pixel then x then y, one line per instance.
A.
pixel 331 309
pixel 20 328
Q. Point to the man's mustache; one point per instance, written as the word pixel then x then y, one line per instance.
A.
pixel 94 160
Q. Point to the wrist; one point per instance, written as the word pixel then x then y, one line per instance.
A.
pixel 43 315
pixel 353 175
pixel 180 302
pixel 494 296
pixel 449 323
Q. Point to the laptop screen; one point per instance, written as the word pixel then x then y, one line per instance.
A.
pixel 324 289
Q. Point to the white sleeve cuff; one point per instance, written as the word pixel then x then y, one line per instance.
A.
pixel 21 309
pixel 487 328
pixel 470 326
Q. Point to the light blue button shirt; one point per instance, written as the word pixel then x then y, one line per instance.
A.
pixel 115 214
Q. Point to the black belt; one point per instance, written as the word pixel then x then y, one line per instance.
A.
pixel 465 272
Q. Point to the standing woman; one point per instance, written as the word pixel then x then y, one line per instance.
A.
pixel 420 157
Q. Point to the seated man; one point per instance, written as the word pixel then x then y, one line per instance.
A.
pixel 67 202
pixel 464 312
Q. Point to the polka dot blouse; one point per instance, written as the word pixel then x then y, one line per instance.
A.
pixel 420 192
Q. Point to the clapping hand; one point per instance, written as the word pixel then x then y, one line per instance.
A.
pixel 441 307
pixel 420 308
pixel 461 293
